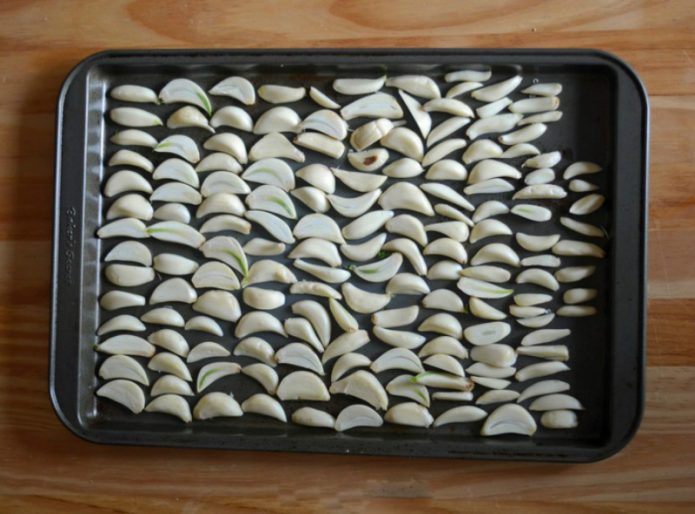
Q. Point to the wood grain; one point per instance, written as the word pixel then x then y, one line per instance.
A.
pixel 43 468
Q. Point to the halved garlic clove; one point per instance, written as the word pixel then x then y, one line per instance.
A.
pixel 487 333
pixel 188 116
pixel 376 105
pixel 263 299
pixel 232 116
pixel 360 182
pixel 481 289
pixel 121 323
pixel 380 271
pixel 264 405
pixel 441 150
pixel 407 284
pixel 276 94
pixel 257 321
pixel 310 417
pixel 354 416
pixel 263 374
pixel 134 93
pixel 422 118
pixel 493 125
pixel 256 348
pixel 489 228
pixel 238 88
pixel 170 363
pixel 126 180
pixel 362 385
pixel 176 232
pixel 134 117
pixel 277 119
pixel 446 193
pixel 540 369
pixel 171 404
pixel 314 288
pixel 114 300
pixel 215 371
pixel 218 161
pixel 264 247
pixel 364 251
pixel 443 299
pixel 217 405
pixel 130 158
pixel 163 316
pixel 345 343
pixel 409 226
pixel 127 275
pixel 462 414
pixel 322 99
pixel 302 385
pixel 207 350
pixel 509 419
pixel 123 367
pixel 124 392
pixel 409 414
pixel 397 358
pixel 218 304
pixel 227 249
pixel 365 225
pixel 299 355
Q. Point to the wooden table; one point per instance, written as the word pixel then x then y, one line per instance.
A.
pixel 43 468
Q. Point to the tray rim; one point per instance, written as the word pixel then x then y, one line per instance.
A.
pixel 593 453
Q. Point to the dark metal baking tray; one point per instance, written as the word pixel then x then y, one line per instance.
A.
pixel 605 120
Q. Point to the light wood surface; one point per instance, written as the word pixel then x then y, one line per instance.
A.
pixel 43 468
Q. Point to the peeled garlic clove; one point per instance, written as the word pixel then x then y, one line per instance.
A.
pixel 123 367
pixel 185 91
pixel 232 116
pixel 171 404
pixel 449 106
pixel 544 336
pixel 482 310
pixel 257 321
pixel 462 88
pixel 204 324
pixel 225 222
pixel 166 362
pixel 533 105
pixel 310 417
pixel 445 345
pixel 176 232
pixel 228 143
pixel 263 374
pixel 363 301
pixel 574 273
pixel 173 264
pixel 206 350
pixel 407 284
pixel 559 419
pixel 180 145
pixel 536 243
pixel 491 383
pixel 445 363
pixel 399 338
pixel 489 228
pixel 405 141
pixel 314 288
pixel 587 204
pixel 409 414
pixel 256 348
pixel 134 117
pixel 260 246
pixel 422 118
pixel 585 229
pixel 218 304
pixel 446 169
pixel 540 192
pixel 532 212
pixel 558 352
pixel 188 116
pixel 463 414
pixel 277 119
pixel 579 295
pixel 492 186
pixel 403 386
pixel 126 275
pixel 544 387
pixel 214 371
pixel 446 193
pixel 488 169
pixel 572 248
pixel 368 160
pixel 315 248
pixel 178 170
pixel 352 207
pixel 318 226
pixel 377 105
pixel 442 323
pixel 576 311
pixel 227 249
pixel 380 271
pixel 492 108
pixel 354 416
pixel 342 316
pixel 444 270
pixel 173 290
pixel 397 358
pixel 114 300
pixel 324 273
pixel 302 385
pixel 520 150
pixel 537 321
pixel 345 343
pixel 452 213
pixel 489 209
pixel 540 176
pixel 126 344
pixel 133 93
pixel 176 192
pixel 417 85
pixel 130 251
pixel 441 380
pixel 447 247
pixel 263 299
pixel 544 160
pixel 319 176
pixel 124 392
pixel 173 212
pixel 130 158
pixel 581 186
pixel 406 196
pixel 217 405
pixel 346 362
pixel 509 419
pixel 443 299
pixel 317 316
pixel 218 161
pixel 474 75
pixel 365 225
pixel 265 406
pixel 395 317
pixel 369 133
pixel 321 143
pixel 224 182
pixel 322 99
pixel 581 168
pixel 493 125
pixel 487 333
pixel 538 277
pixel 530 299
pixel 481 289
pixel 408 226
pixel 238 88
pixel 360 182
pixel 540 369
pixel 498 90
pixel 163 316
pixel 301 356
pixel 302 329
pixel 327 122
pixel 276 94
pixel 271 171
pixel 126 180
pixel 496 253
pixel 364 386
pixel 121 323
pixel 447 127
pixel 274 225
pixel 546 260
pixel 441 150
pixel 521 311
pixel 313 198
pixel 361 86
pixel 498 355
pixel 271 199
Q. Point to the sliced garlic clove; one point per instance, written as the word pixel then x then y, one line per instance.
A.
pixel 277 119
pixel 481 289
pixel 315 248
pixel 114 300
pixel 462 414
pixel 364 251
pixel 263 299
pixel 224 182
pixel 483 310
pixel 544 387
pixel 363 301
pixel 130 158
pixel 124 392
pixel 238 88
pixel 126 275
pixel 360 182
pixel 489 209
pixel 218 161
pixel 232 116
pixel 260 246
pixel 368 160
pixel 409 414
pixel 274 225
pixel 163 316
pixel 532 212
pixel 310 417
pixel 377 105
pixel 322 99
pixel 256 348
pixel 171 404
pixel 264 375
pixel 207 350
pixel 134 117
pixel 397 358
pixel 213 372
pixel 417 85
pixel 123 367
pixel 121 323
pixel 422 118
pixel 489 228
pixel 445 363
pixel 509 419
pixel 444 270
pixel 130 251
pixel 395 317
pixel 257 321
pixel 345 343
pixel 126 180
pixel 134 93
pixel 493 125
pixel 409 226
pixel 217 405
pixel 353 207
pixel 443 299
pixel 126 344
pixel 446 193
pixel 446 169
pixel 380 271
pixel 227 249
pixel 587 204
pixel 301 356
pixel 264 405
pixel 314 288
pixel 541 369
pixel 176 232
pixel 441 380
pixel 407 284
pixel 441 150
pixel 365 225
pixel 362 385
pixel 218 304
pixel 188 116
pixel 442 323
pixel 354 416
pixel 487 333
pixel 230 144
pixel 399 338
pixel 462 88
pixel 276 94
pixel 166 362
pixel 496 253
pixel 342 316
pixel 568 247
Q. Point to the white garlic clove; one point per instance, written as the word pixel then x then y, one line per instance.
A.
pixel 493 125
pixel 188 116
pixel 445 345
pixel 126 344
pixel 171 404
pixel 227 249
pixel 264 405
pixel 541 369
pixel 173 264
pixel 224 182
pixel 576 311
pixel 488 169
pixel 185 91
pixel 238 88
pixel 178 170
pixel 538 277
pixel 363 301
pixel 587 204
pixel 230 144
pixel 376 105
pixel 498 355
pixel 493 108
pixel 134 117
pixel 124 392
pixel 134 93
pixel 442 323
pixel 509 419
pixel 114 300
pixel 271 171
pixel 121 323
pixel 322 99
pixel 365 225
pixel 256 348
pixel 170 363
pixel 352 207
pixel 301 356
pixel 272 199
pixel 581 186
pixel 558 352
pixel 180 145
pixel 176 232
pixel 445 363
pixel 440 380
pixel 360 86
pixel 449 106
pixel 489 209
pixel 368 160
pixel 441 150
pixel 354 416
pixel 320 143
pixel 568 247
pixel 319 176
pixel 366 135
pixel 453 213
pixel 395 317
pixel 302 385
pixel 218 161
pixel 443 299
pixel 342 316
pixel 324 273
pixel 224 223
pixel 422 118
pixel 483 310
pixel 123 367
pixel 574 273
pixel 207 350
pixel 126 275
pixel 215 275
pixel 232 116
pixel 204 324
pixel 176 192
pixel 532 212
pixel 544 387
pixel 274 225
pixel 257 321
pixel 130 251
pixel 380 271
pixel 277 119
pixel 446 169
pixel 536 322
pixel 585 229
pixel 496 91
pixel 163 316
pixel 217 405
pixel 264 247
pixel 264 375
pixel 407 284
pixel 397 358
pixel 530 299
pixel 481 289
pixel 404 141
pixel 444 270
pixel 126 180
pixel 314 288
pixel 399 338
pixel 169 340
pixel 409 226
pixel 173 212
pixel 462 88
pixel 534 243
pixel 213 372
pixel 496 253
pixel 487 333
pixel 489 228
pixel 131 158
pixel 360 182
pixel 318 226
pixel 462 414
pixel 315 248
pixel 417 85
pixel 446 193
pixel 447 247
pixel 362 385
pixel 310 417
pixel 313 198
pixel 276 94
pixel 218 304
pixel 409 414
pixel 581 168
pixel 345 343
pixel 469 75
